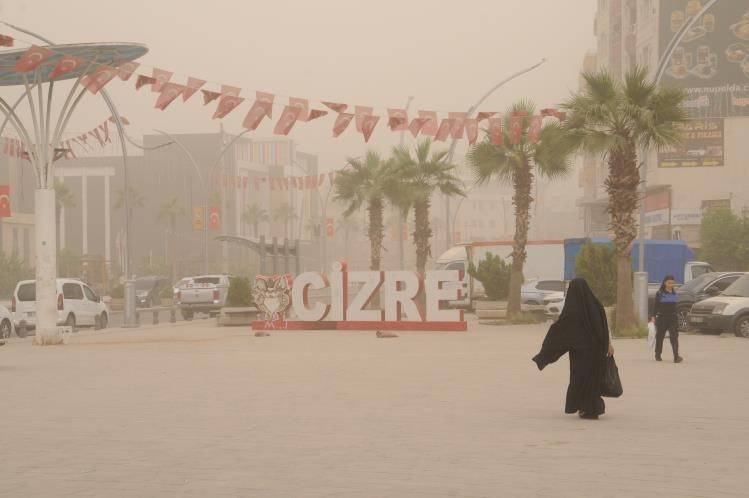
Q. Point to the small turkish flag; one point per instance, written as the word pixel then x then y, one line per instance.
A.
pixel 32 58
pixel 316 113
pixel 444 130
pixel 341 123
pixel 266 97
pixel 126 70
pixel 214 220
pixel 430 126
pixel 485 115
pixel 6 41
pixel 287 120
pixel 256 114
pixel 472 130
pixel 360 111
pixel 398 119
pixel 192 86
pixel 66 64
pixel 209 96
pixel 303 105
pixel 162 76
pixel 96 80
pixel 534 128
pixel 457 130
pixel 169 92
pixel 368 126
pixel 330 227
pixel 143 80
pixel 5 201
pixel 416 125
pixel 231 91
pixel 515 132
pixel 495 131
pixel 334 106
pixel 227 104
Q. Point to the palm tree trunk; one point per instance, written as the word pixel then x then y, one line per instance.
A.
pixel 621 184
pixel 422 234
pixel 522 199
pixel 375 210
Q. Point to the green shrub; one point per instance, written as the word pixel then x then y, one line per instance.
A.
pixel 636 330
pixel 117 292
pixel 494 275
pixel 12 269
pixel 239 293
pixel 724 240
pixel 525 318
pixel 596 263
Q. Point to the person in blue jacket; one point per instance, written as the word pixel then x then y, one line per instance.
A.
pixel 664 316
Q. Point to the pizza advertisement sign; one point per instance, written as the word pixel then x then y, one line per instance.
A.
pixel 701 145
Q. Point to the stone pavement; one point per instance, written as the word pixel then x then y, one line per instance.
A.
pixel 194 410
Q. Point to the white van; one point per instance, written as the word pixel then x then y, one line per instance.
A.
pixel 77 304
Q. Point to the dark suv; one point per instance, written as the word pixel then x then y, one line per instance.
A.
pixel 705 286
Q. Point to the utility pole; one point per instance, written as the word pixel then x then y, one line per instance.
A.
pixel 401 218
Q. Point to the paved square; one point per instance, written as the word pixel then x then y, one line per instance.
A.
pixel 195 410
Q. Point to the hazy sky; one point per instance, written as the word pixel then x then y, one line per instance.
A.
pixel 445 54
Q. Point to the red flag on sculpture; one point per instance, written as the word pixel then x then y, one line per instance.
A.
pixel 5 201
pixel 31 59
pixel 316 113
pixel 287 120
pixel 484 115
pixel 360 111
pixel 66 64
pixel 416 125
pixel 209 96
pixel 126 69
pixel 368 126
pixel 96 80
pixel 192 86
pixel 472 130
pixel 231 91
pixel 143 80
pixel 341 123
pixel 515 132
pixel 161 76
pixel 6 41
pixel 534 128
pixel 226 105
pixel 255 115
pixel 214 218
pixel 329 227
pixel 444 129
pixel 495 131
pixel 169 92
pixel 303 105
pixel 456 131
pixel 334 106
pixel 266 97
pixel 429 128
pixel 398 119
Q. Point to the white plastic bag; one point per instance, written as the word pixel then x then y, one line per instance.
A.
pixel 651 335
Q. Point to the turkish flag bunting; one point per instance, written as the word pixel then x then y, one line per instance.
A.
pixel 457 130
pixel 430 127
pixel 360 111
pixel 368 126
pixel 444 129
pixel 256 114
pixel 96 80
pixel 5 201
pixel 31 59
pixel 209 96
pixel 105 128
pixel 472 130
pixel 143 80
pixel 287 120
pixel 66 64
pixel 334 106
pixel 341 123
pixel 192 86
pixel 534 128
pixel 232 91
pixel 416 125
pixel 6 41
pixel 316 113
pixel 95 133
pixel 303 105
pixel 398 119
pixel 266 97
pixel 169 92
pixel 162 76
pixel 227 104
pixel 495 131
pixel 485 115
pixel 126 70
pixel 515 133
pixel 123 119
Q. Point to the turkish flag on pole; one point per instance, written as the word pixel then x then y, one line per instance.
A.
pixel 5 201
pixel 6 41
pixel 515 133
pixel 32 58
pixel 193 85
pixel 169 92
pixel 495 132
pixel 96 80
pixel 66 64
pixel 214 220
pixel 209 96
pixel 444 130
pixel 472 130
pixel 226 105
pixel 316 113
pixel 256 114
pixel 484 115
pixel 416 125
pixel 429 128
pixel 360 111
pixel 143 80
pixel 398 119
pixel 330 226
pixel 368 126
pixel 457 130
pixel 287 120
pixel 161 76
pixel 303 105
pixel 334 106
pixel 341 123
pixel 126 70
pixel 534 128
pixel 266 97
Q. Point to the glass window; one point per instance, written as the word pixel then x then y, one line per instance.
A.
pixel 90 295
pixel 740 288
pixel 456 265
pixel 551 285
pixel 72 291
pixel 723 283
pixel 27 292
pixel 206 280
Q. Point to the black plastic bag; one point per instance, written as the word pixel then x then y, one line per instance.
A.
pixel 612 384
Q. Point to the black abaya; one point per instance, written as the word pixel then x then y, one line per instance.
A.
pixel 581 331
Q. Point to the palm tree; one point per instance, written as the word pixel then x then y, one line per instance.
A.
pixel 135 199
pixel 286 214
pixel 366 183
pixel 253 215
pixel 618 118
pixel 517 165
pixel 63 199
pixel 419 177
pixel 170 211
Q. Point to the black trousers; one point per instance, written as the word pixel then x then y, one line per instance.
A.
pixel 668 324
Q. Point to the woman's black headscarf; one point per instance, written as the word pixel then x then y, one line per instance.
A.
pixel 581 325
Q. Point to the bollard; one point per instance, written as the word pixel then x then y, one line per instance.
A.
pixel 172 315
pixel 21 329
pixel 155 317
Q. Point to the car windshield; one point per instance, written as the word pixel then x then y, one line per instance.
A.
pixel 697 283
pixel 207 280
pixel 27 292
pixel 740 288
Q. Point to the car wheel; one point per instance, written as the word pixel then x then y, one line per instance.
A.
pixel 682 315
pixel 742 327
pixel 70 322
pixel 6 329
pixel 104 320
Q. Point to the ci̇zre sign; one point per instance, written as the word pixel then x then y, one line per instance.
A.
pixel 400 294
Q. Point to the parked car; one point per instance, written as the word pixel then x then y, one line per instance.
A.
pixel 148 291
pixel 6 323
pixel 726 312
pixel 202 294
pixel 77 304
pixel 705 286
pixel 542 292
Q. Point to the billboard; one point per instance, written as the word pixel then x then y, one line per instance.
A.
pixel 711 63
pixel 701 145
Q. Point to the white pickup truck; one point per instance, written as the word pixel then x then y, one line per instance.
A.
pixel 202 294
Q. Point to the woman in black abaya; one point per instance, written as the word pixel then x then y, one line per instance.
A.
pixel 583 332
